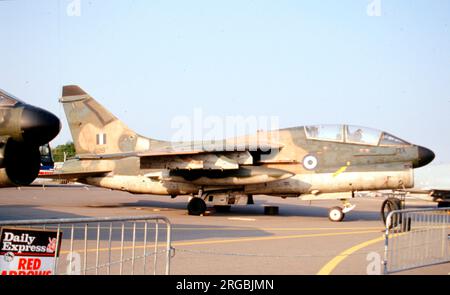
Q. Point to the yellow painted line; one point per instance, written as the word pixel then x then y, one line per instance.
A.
pixel 269 238
pixel 283 228
pixel 241 240
pixel 333 263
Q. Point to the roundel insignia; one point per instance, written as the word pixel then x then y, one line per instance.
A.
pixel 310 162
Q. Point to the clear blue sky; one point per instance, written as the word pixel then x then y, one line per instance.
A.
pixel 305 61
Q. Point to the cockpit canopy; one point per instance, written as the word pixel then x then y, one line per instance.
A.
pixel 352 134
pixel 7 99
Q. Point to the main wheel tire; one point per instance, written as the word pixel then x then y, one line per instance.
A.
pixel 335 214
pixel 390 204
pixel 196 206
pixel 443 205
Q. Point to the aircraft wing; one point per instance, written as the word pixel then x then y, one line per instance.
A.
pixel 156 153
pixel 73 169
pixel 211 157
pixel 186 150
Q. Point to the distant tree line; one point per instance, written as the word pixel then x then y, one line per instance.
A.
pixel 58 152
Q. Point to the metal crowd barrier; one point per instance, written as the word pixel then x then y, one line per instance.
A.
pixel 416 238
pixel 107 245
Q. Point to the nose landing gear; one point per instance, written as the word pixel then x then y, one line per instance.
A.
pixel 337 214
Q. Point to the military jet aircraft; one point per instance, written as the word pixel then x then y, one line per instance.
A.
pixel 23 129
pixel 317 162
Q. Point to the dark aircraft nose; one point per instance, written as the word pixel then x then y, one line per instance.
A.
pixel 38 126
pixel 425 157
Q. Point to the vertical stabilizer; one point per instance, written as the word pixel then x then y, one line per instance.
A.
pixel 94 129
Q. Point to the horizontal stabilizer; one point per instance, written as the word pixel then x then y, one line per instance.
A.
pixel 73 175
pixel 436 194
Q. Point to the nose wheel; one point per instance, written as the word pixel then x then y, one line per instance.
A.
pixel 337 214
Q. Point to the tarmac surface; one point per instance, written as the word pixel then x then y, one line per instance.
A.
pixel 300 240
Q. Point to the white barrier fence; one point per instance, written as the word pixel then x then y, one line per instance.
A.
pixel 106 245
pixel 416 238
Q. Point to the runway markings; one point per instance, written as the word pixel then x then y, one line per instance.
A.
pixel 240 240
pixel 333 263
pixel 235 228
pixel 281 228
pixel 241 219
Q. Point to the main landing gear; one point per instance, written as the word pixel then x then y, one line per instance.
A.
pixel 337 214
pixel 196 206
pixel 221 200
pixel 390 204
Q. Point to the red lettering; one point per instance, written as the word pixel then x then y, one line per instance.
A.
pixel 22 263
pixel 37 263
pixel 29 263
pixel 27 273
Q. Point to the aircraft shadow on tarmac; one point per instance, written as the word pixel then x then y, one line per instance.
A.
pixel 180 231
pixel 158 204
pixel 30 212
pixel 257 210
pixel 154 205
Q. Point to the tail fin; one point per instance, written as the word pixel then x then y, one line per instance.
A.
pixel 94 129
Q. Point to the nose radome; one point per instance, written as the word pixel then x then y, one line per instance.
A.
pixel 425 157
pixel 38 126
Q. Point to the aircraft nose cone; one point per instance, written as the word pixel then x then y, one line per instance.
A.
pixel 38 126
pixel 425 157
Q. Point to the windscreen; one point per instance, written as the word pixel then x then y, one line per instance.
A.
pixel 7 99
pixel 388 139
pixel 362 135
pixel 324 132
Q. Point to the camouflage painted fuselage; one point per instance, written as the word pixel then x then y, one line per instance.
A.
pixel 287 162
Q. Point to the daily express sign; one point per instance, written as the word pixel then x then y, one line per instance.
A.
pixel 28 251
